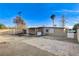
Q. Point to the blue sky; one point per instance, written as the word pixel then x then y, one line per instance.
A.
pixel 38 14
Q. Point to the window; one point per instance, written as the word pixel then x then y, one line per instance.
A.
pixel 47 30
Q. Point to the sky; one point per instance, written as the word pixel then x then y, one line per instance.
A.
pixel 38 14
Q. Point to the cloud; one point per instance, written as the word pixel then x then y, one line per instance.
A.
pixel 70 27
pixel 71 10
pixel 65 10
pixel 72 21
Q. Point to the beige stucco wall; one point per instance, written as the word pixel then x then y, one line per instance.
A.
pixel 59 30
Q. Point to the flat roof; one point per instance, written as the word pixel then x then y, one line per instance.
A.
pixel 46 27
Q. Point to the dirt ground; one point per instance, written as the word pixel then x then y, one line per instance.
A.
pixel 13 46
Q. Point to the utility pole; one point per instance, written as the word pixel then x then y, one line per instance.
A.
pixel 63 21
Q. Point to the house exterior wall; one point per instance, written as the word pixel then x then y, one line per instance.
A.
pixel 48 31
pixel 55 32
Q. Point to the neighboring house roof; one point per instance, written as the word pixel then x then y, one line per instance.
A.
pixel 47 27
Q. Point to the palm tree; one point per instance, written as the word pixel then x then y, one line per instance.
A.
pixel 53 18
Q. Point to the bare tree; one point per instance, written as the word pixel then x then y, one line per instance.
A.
pixel 20 24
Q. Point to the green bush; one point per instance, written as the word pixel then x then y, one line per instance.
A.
pixel 75 27
pixel 2 26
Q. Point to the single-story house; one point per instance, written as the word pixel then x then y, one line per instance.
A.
pixel 45 30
